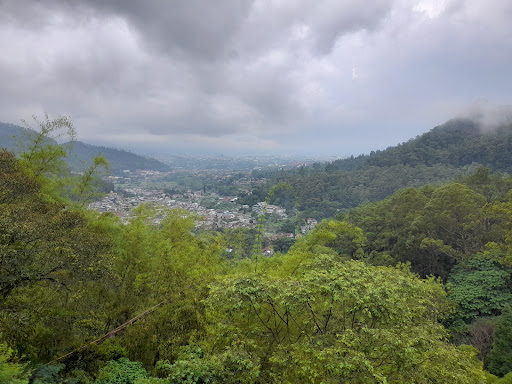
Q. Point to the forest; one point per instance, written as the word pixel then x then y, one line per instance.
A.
pixel 412 285
pixel 445 153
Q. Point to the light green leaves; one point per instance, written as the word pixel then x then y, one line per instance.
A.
pixel 333 320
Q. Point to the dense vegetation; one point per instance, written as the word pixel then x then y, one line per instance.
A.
pixel 415 288
pixel 449 151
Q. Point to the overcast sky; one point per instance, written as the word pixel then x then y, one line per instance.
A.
pixel 334 77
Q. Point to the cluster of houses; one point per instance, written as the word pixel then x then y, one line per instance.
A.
pixel 264 208
pixel 212 218
pixel 122 206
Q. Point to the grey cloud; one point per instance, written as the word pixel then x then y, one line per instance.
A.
pixel 201 29
pixel 344 17
pixel 259 70
pixel 306 24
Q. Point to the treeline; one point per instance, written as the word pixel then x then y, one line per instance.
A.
pixel 458 142
pixel 118 159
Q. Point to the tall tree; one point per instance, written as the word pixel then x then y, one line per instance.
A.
pixel 500 357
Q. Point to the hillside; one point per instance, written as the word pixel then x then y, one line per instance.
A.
pixel 447 152
pixel 119 159
pixel 80 154
pixel 12 136
pixel 456 143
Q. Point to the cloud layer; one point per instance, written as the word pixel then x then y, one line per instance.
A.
pixel 342 77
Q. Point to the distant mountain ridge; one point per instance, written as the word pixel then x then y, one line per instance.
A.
pixel 119 159
pixel 81 154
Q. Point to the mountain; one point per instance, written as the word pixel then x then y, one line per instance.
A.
pixel 12 136
pixel 119 160
pixel 457 143
pixel 80 154
pixel 450 151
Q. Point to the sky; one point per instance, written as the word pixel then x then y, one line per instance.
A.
pixel 332 77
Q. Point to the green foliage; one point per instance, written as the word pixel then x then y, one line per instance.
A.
pixel 48 374
pixel 165 263
pixel 49 257
pixel 500 357
pixel 122 371
pixel 323 195
pixel 87 185
pixel 340 237
pixel 283 244
pixel 507 379
pixel 240 241
pixel 190 367
pixel 283 195
pixel 479 287
pixel 19 139
pixel 110 349
pixel 330 310
pixel 458 142
pixel 480 334
pixel 445 153
pixel 43 157
pixel 336 320
pixel 432 228
pixel 118 159
pixel 151 380
pixel 10 371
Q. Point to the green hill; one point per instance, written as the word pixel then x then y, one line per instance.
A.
pixel 447 152
pixel 119 159
pixel 456 143
pixel 80 154
pixel 13 136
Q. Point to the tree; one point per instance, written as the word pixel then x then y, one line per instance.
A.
pixel 500 357
pixel 282 194
pixel 11 372
pixel 479 287
pixel 335 321
pixel 163 263
pixel 86 186
pixel 122 371
pixel 42 156
pixel 48 257
pixel 340 237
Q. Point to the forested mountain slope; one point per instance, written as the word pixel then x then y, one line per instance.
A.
pixel 447 152
pixel 119 160
pixel 80 154
pixel 456 143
